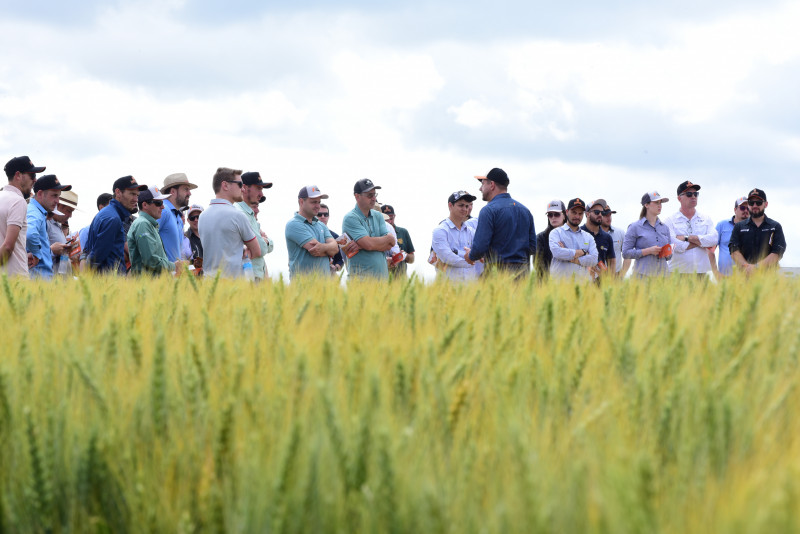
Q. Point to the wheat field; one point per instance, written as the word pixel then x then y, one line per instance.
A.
pixel 168 405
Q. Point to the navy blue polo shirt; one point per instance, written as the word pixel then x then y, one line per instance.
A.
pixel 604 243
pixel 505 232
pixel 757 242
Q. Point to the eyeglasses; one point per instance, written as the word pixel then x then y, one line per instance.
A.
pixel 323 214
pixel 597 212
pixel 158 203
pixel 755 202
pixel 237 182
pixel 550 215
pixel 690 194
pixel 744 207
pixel 193 217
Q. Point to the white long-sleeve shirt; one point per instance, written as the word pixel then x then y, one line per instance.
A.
pixel 695 260
pixel 448 244
pixel 573 240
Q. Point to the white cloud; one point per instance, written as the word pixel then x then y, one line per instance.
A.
pixel 474 114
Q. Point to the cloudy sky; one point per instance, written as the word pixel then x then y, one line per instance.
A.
pixel 578 98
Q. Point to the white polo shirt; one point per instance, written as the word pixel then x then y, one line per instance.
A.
pixel 694 260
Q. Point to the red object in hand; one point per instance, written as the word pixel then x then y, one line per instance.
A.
pixel 666 251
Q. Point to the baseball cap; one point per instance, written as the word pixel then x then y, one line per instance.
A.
pixel 195 207
pixel 740 201
pixel 21 164
pixel 653 196
pixel 758 193
pixel 555 206
pixel 459 195
pixel 310 191
pixel 254 178
pixel 364 186
pixel 386 208
pixel 68 198
pixel 599 202
pixel 127 182
pixel 687 185
pixel 576 203
pixel 151 193
pixel 178 178
pixel 49 181
pixel 495 175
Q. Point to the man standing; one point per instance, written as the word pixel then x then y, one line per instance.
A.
pixel 617 237
pixel 46 191
pixel 757 242
pixel 505 235
pixel 602 240
pixel 403 241
pixel 309 241
pixel 83 233
pixel 170 225
pixel 57 221
pixel 694 232
pixel 193 215
pixel 21 174
pixel 224 229
pixel 252 189
pixel 107 237
pixel 144 241
pixel 369 233
pixel 453 238
pixel 724 230
pixel 324 215
pixel 574 250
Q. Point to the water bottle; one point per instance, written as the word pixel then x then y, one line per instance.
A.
pixel 247 266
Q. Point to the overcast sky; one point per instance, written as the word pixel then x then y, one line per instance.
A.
pixel 573 99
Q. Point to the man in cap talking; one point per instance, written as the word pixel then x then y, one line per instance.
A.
pixel 15 260
pixel 170 225
pixel 370 236
pixel 505 235
pixel 46 190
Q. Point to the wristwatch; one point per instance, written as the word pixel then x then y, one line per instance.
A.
pixel 686 238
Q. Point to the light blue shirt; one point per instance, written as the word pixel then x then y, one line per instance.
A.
pixel 573 240
pixel 170 228
pixel 448 244
pixel 617 236
pixel 366 262
pixel 725 262
pixel 299 232
pixel 38 243
pixel 641 235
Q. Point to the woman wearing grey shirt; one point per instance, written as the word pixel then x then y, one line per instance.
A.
pixel 646 238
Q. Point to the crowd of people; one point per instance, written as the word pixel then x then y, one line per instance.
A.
pixel 141 229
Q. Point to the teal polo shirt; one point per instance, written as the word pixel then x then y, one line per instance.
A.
pixel 299 232
pixel 366 262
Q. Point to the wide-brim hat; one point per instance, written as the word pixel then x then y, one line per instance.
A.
pixel 178 178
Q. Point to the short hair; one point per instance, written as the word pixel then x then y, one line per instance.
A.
pixel 325 206
pixel 104 200
pixel 223 174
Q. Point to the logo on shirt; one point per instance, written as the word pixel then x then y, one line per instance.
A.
pixel 400 241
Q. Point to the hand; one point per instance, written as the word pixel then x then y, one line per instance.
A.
pixel 264 236
pixel 749 268
pixel 650 251
pixel 59 248
pixel 351 248
pixel 694 240
pixel 579 254
pixel 33 261
pixel 179 266
pixel 246 254
pixel 561 244
pixel 316 249
pixel 466 256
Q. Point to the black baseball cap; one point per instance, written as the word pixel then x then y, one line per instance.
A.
pixel 364 186
pixel 496 175
pixel 49 181
pixel 576 203
pixel 21 164
pixel 254 178
pixel 687 185
pixel 388 209
pixel 757 193
pixel 460 195
pixel 127 182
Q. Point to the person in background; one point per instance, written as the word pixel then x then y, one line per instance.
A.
pixel 573 249
pixel 252 193
pixel 453 237
pixel 308 240
pixel 724 230
pixel 46 191
pixel 186 247
pixel 646 240
pixel 695 234
pixel 193 214
pixel 144 241
pixel 224 230
pixel 505 236
pixel 403 241
pixel 617 236
pixel 83 233
pixel 370 236
pixel 758 241
pixel 107 239
pixel 57 223
pixel 15 260
pixel 170 225
pixel 606 260
pixel 324 215
pixel 556 216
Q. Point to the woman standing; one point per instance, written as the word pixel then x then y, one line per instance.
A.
pixel 646 239
pixel 556 216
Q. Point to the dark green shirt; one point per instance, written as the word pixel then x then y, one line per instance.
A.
pixel 405 244
pixel 146 248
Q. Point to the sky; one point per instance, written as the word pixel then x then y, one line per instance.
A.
pixel 572 99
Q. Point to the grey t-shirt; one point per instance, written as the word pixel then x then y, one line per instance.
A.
pixel 223 230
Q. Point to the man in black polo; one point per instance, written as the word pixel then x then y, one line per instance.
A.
pixel 606 257
pixel 757 242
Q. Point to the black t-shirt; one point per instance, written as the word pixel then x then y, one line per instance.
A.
pixel 757 242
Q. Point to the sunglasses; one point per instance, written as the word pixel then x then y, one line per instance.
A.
pixel 690 194
pixel 323 214
pixel 597 212
pixel 755 202
pixel 157 203
pixel 549 215
pixel 744 207
pixel 237 182
pixel 193 217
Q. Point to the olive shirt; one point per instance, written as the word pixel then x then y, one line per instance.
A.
pixel 145 247
pixel 366 262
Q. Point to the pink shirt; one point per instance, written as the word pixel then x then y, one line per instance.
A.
pixel 13 211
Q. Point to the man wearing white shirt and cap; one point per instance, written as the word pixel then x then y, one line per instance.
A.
pixel 170 225
pixel 574 250
pixel 452 237
pixel 693 231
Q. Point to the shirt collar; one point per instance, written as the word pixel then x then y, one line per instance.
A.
pixel 299 217
pixel 147 217
pixel 220 201
pixel 247 209
pixel 501 195
pixel 35 204
pixel 121 210
pixel 169 205
pixel 13 189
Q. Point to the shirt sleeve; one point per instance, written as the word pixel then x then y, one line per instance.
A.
pixel 629 252
pixel 443 251
pixel 107 230
pixel 383 229
pixel 34 242
pixel 591 258
pixel 532 242
pixel 18 213
pixel 351 227
pixel 735 243
pixel 246 232
pixel 559 252
pixel 710 239
pixel 718 228
pixel 678 246
pixel 611 254
pixel 149 246
pixel 297 233
pixel 483 235
pixel 326 234
pixel 778 241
